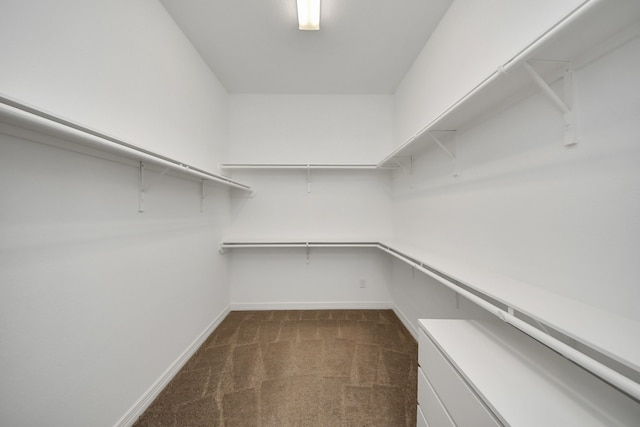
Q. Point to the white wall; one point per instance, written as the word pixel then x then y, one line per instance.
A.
pixel 310 128
pixel 418 296
pixel 282 278
pixel 473 39
pixel 342 205
pixel 98 300
pixel 565 219
pixel 120 67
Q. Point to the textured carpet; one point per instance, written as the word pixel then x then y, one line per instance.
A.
pixel 296 368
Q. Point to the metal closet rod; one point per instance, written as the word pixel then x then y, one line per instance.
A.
pixel 296 244
pixel 296 166
pixel 597 368
pixel 33 117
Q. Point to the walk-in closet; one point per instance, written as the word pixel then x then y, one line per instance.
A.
pixel 394 213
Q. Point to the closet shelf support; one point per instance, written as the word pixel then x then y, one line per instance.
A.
pixel 564 105
pixel 399 163
pixel 202 195
pixel 141 189
pixel 441 144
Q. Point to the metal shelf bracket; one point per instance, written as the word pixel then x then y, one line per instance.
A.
pixel 449 152
pixel 564 103
pixel 141 189
pixel 398 163
pixel 404 162
pixel 202 196
pixel 144 187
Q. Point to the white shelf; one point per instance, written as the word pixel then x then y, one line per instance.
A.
pixel 615 337
pixel 307 167
pixel 19 115
pixel 587 324
pixel 523 382
pixel 595 28
pixel 298 166
pixel 313 243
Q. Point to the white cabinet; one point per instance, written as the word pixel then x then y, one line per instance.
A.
pixel 458 399
pixel 487 373
pixel 421 420
pixel 430 405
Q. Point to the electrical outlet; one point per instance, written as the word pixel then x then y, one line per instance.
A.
pixel 363 283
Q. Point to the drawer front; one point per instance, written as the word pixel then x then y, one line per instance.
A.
pixel 423 341
pixel 421 421
pixel 462 404
pixel 429 403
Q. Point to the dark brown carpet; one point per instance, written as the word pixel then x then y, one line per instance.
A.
pixel 296 368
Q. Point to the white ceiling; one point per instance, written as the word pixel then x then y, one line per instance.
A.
pixel 254 46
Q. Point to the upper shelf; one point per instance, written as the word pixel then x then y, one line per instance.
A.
pixel 16 113
pixel 595 28
pixel 299 166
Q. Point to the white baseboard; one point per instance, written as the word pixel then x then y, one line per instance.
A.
pixel 147 398
pixel 355 305
pixel 329 306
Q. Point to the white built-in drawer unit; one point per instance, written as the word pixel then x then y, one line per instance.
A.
pixel 430 403
pixel 421 420
pixel 487 373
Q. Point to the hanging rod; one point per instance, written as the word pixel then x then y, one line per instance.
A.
pixel 33 118
pixel 295 166
pixel 597 368
pixel 299 244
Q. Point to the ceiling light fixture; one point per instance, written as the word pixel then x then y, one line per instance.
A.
pixel 309 14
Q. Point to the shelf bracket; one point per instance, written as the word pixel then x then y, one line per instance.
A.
pixel 399 164
pixel 564 105
pixel 405 163
pixel 141 189
pixel 144 187
pixel 148 185
pixel 308 178
pixel 202 196
pixel 451 153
